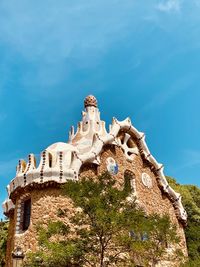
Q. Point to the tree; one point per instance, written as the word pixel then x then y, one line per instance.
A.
pixel 3 241
pixel 191 201
pixel 108 229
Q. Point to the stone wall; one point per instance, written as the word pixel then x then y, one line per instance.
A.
pixel 47 201
pixel 45 205
pixel 152 200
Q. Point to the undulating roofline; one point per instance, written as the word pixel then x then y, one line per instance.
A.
pixel 62 161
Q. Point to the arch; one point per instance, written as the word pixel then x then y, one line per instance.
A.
pixel 88 166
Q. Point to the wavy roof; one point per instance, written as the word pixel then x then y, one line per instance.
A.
pixel 62 161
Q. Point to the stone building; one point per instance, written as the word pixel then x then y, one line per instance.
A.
pixel 34 193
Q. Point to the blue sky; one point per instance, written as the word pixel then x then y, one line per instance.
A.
pixel 140 58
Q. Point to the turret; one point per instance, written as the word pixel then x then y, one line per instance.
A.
pixel 90 125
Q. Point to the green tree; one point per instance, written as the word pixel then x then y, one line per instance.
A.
pixel 108 230
pixel 191 201
pixel 3 241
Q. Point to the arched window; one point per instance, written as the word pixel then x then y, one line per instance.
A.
pixel 27 214
pixel 129 181
pixel 23 214
pixel 50 160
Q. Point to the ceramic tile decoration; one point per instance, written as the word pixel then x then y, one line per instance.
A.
pixel 146 179
pixel 112 166
pixel 90 150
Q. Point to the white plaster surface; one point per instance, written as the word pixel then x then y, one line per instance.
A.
pixel 85 146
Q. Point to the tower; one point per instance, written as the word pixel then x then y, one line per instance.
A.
pixel 34 195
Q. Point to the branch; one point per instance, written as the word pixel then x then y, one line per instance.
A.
pixel 120 252
pixel 91 264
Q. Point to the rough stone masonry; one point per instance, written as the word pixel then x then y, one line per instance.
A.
pixel 34 195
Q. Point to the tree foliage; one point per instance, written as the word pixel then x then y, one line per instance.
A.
pixel 191 201
pixel 107 229
pixel 3 240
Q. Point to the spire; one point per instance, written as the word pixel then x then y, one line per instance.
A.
pixel 90 125
pixel 91 115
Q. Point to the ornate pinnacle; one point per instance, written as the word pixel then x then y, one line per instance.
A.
pixel 90 101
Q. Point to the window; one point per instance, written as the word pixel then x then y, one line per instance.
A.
pixel 23 213
pixel 50 160
pixel 129 181
pixel 138 236
pixel 27 214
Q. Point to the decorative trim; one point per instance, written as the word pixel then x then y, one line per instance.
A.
pixel 146 180
pixel 74 160
pixel 112 166
pixel 20 213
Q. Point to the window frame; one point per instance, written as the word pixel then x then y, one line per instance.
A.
pixel 26 214
pixel 20 226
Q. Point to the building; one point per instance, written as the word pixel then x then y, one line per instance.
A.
pixel 34 193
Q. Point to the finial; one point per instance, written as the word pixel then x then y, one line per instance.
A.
pixel 90 101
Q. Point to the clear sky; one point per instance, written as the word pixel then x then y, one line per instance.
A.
pixel 140 58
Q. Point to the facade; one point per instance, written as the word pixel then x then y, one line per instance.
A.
pixel 35 195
